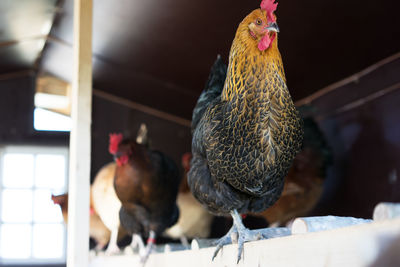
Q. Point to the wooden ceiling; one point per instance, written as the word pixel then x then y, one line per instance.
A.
pixel 158 53
pixel 24 26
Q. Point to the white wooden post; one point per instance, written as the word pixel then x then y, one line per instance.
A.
pixel 80 141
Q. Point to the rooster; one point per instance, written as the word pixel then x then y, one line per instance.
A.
pixel 146 182
pixel 246 136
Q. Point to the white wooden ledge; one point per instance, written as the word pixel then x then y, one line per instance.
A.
pixel 354 246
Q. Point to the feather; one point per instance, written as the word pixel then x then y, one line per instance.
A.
pixel 212 90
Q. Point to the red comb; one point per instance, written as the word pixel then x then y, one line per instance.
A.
pixel 115 139
pixel 269 6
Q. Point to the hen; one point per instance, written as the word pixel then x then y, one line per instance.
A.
pixel 107 205
pixel 304 182
pixel 246 136
pixel 146 182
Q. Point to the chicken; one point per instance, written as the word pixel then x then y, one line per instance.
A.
pixel 97 230
pixel 146 183
pixel 245 137
pixel 304 183
pixel 194 220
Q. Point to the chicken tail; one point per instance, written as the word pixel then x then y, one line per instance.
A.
pixel 212 90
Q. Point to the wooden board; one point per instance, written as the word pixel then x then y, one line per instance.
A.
pixel 351 246
pixel 80 139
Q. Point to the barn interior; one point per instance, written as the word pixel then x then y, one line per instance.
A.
pixel 150 63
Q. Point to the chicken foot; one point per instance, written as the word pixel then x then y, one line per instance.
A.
pixel 238 234
pixel 184 241
pixel 113 248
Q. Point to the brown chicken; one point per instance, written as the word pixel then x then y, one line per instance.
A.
pixel 246 136
pixel 146 182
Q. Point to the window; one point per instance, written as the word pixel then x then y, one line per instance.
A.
pixel 52 104
pixel 31 226
pixel 45 120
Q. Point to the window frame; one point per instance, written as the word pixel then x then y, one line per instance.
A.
pixel 34 150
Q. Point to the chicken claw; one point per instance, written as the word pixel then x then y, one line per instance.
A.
pixel 245 235
pixel 237 234
pixel 225 240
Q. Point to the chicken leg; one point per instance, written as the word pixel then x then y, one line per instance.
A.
pixel 137 244
pixel 238 234
pixel 149 247
pixel 184 241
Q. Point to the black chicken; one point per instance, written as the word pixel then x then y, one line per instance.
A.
pixel 246 129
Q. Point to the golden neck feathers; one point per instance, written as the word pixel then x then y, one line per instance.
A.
pixel 250 70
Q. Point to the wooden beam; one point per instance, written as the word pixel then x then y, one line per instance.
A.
pixel 25 39
pixel 353 78
pixel 16 74
pixel 80 140
pixel 142 108
pixel 360 102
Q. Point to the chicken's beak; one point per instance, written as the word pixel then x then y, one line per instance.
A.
pixel 272 26
pixel 117 155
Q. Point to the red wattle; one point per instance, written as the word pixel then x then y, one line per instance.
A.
pixel 265 42
pixel 122 160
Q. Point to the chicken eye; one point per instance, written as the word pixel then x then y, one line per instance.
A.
pixel 258 22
